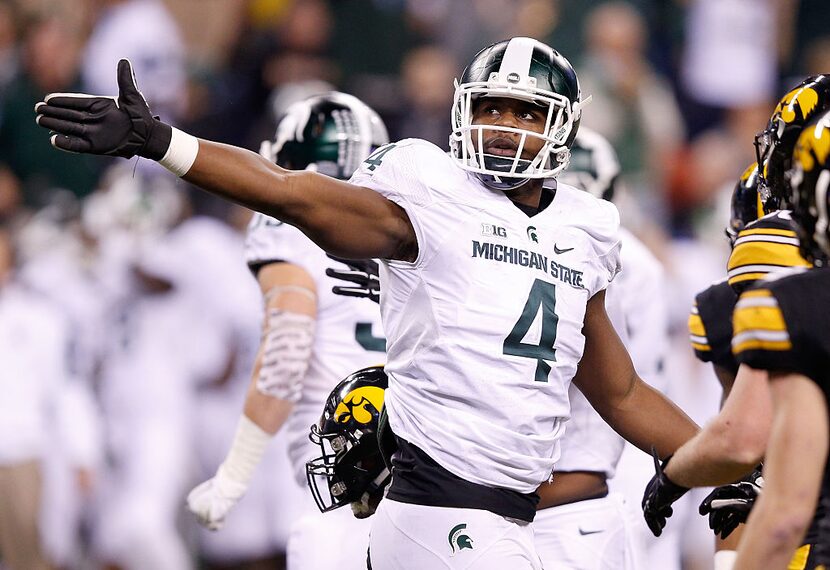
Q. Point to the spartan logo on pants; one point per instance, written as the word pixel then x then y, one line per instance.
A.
pixel 458 540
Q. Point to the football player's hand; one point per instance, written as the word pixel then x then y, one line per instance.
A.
pixel 114 126
pixel 660 494
pixel 729 505
pixel 212 500
pixel 363 273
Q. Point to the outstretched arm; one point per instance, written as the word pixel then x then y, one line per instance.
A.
pixel 733 443
pixel 606 376
pixel 638 412
pixel 343 219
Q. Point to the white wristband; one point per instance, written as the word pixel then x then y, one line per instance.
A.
pixel 246 451
pixel 725 559
pixel 181 154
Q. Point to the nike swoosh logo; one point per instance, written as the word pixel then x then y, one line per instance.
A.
pixel 557 251
pixel 584 532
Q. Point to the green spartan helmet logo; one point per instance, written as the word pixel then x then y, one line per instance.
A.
pixel 458 540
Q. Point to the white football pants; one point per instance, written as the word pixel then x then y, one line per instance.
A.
pixel 416 537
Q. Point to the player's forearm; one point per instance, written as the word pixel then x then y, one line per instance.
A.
pixel 711 458
pixel 734 442
pixel 664 426
pixel 267 412
pixel 771 538
pixel 244 177
pixel 327 210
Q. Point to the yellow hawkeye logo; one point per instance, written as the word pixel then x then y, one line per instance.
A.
pixel 813 145
pixel 362 404
pixel 802 99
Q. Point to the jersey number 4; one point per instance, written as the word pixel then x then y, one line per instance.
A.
pixel 542 296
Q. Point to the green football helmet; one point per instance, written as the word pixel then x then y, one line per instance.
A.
pixel 525 69
pixel 594 166
pixel 331 133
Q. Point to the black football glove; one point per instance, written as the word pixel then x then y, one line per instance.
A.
pixel 729 505
pixel 660 493
pixel 113 126
pixel 362 272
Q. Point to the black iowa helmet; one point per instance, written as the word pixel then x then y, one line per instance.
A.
pixel 526 69
pixel 746 205
pixel 774 145
pixel 351 468
pixel 809 182
pixel 330 133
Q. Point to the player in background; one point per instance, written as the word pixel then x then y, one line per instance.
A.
pixel 463 286
pixel 310 338
pixel 761 244
pixel 732 445
pixel 781 328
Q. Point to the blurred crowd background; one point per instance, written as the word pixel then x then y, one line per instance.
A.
pixel 128 320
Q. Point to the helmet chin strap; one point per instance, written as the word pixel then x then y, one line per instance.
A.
pixel 503 183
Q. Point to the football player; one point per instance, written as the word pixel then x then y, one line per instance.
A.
pixel 735 441
pixel 578 523
pixel 781 328
pixel 310 338
pixel 492 300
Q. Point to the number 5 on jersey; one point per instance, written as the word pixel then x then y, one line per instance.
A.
pixel 542 296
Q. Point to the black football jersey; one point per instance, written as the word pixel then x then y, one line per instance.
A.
pixel 710 326
pixel 764 246
pixel 783 323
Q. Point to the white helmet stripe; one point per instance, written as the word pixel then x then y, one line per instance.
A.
pixel 517 57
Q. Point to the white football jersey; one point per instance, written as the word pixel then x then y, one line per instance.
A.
pixel 484 328
pixel 634 302
pixel 348 335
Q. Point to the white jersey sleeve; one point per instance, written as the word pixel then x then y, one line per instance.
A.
pixel 484 328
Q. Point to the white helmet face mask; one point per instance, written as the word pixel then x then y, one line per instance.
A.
pixel 516 76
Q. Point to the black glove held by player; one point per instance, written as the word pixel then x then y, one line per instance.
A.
pixel 660 493
pixel 729 505
pixel 363 273
pixel 113 126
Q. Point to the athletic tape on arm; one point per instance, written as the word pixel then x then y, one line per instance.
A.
pixel 286 351
pixel 181 154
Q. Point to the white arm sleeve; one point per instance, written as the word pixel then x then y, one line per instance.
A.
pixel 286 351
